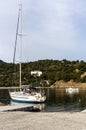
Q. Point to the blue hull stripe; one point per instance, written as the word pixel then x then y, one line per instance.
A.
pixel 14 100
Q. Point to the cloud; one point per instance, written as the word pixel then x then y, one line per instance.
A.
pixel 54 28
pixel 57 28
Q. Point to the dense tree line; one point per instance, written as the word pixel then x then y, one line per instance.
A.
pixel 53 70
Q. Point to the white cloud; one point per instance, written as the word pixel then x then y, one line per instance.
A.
pixel 58 28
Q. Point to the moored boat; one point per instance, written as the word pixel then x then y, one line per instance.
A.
pixel 72 90
pixel 28 95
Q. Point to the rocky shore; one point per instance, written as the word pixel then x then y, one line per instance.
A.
pixel 71 83
pixel 42 121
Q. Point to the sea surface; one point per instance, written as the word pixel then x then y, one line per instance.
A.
pixel 57 100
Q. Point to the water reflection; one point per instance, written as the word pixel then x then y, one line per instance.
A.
pixel 30 106
pixel 57 100
pixel 4 97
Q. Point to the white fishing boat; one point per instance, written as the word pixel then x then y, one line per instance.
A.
pixel 72 90
pixel 31 95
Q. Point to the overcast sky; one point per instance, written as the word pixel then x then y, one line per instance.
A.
pixel 53 29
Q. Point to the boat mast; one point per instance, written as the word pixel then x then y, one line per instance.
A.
pixel 20 10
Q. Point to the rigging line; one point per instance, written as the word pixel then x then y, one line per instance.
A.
pixel 16 37
pixel 15 44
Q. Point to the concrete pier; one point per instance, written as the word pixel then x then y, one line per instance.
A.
pixel 42 121
pixel 14 107
pixel 22 107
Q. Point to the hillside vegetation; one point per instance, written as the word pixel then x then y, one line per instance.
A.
pixel 52 71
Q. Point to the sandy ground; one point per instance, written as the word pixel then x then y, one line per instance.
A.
pixel 42 120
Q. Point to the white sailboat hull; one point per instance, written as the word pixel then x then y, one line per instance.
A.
pixel 27 98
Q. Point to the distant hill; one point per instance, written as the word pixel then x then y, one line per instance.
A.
pixel 1 61
pixel 52 71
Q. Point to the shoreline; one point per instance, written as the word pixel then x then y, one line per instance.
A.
pixel 62 84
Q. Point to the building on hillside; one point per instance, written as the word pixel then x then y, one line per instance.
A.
pixel 36 73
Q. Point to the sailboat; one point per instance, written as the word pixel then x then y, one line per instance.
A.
pixel 30 95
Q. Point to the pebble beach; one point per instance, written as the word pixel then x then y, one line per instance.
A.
pixel 20 120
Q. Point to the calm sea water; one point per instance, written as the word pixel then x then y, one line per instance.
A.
pixel 57 100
